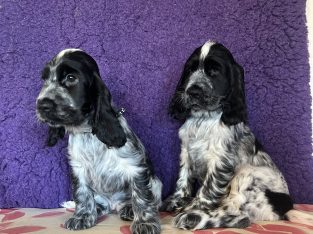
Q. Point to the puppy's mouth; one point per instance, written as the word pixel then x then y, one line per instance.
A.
pixel 52 123
pixel 213 107
pixel 44 119
pixel 61 118
pixel 211 104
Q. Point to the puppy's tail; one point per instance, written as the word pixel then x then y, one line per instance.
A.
pixel 298 216
pixel 283 205
pixel 102 206
pixel 68 204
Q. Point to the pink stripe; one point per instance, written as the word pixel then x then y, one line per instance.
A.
pixel 48 214
pixel 13 215
pixel 125 229
pixel 5 211
pixel 22 229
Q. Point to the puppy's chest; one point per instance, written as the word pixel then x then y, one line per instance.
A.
pixel 204 140
pixel 96 165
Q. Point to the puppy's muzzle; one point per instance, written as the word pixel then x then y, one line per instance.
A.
pixel 45 105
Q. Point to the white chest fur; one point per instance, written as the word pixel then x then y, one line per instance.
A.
pixel 106 170
pixel 205 139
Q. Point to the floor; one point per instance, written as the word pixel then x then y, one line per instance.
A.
pixel 15 221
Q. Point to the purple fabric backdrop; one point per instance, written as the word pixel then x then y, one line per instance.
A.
pixel 141 47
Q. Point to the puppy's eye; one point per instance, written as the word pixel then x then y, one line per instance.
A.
pixel 213 72
pixel 70 80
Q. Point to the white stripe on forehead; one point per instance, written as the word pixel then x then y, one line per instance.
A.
pixel 57 59
pixel 63 52
pixel 205 49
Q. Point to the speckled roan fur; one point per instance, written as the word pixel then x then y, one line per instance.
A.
pixel 140 47
pixel 110 169
pixel 110 179
pixel 238 180
pixel 234 175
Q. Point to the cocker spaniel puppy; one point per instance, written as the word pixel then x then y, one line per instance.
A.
pixel 239 182
pixel 109 165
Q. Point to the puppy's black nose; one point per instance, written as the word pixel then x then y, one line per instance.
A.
pixel 195 91
pixel 45 105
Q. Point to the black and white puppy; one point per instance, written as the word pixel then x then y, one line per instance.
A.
pixel 239 183
pixel 109 165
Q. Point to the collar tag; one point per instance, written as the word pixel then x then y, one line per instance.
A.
pixel 121 112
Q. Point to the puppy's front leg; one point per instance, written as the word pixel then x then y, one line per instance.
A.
pixel 182 195
pixel 145 205
pixel 85 214
pixel 215 186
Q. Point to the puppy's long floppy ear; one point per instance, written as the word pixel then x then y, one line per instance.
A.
pixel 234 106
pixel 105 124
pixel 54 134
pixel 177 107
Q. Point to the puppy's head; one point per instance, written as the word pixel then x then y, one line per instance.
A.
pixel 211 81
pixel 73 93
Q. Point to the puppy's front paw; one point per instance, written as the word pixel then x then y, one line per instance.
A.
pixel 187 221
pixel 126 213
pixel 145 228
pixel 81 222
pixel 173 204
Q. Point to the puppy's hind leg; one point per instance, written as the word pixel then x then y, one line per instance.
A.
pixel 126 212
pixel 156 187
pixel 103 205
pixel 203 219
pixel 228 215
pixel 250 199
